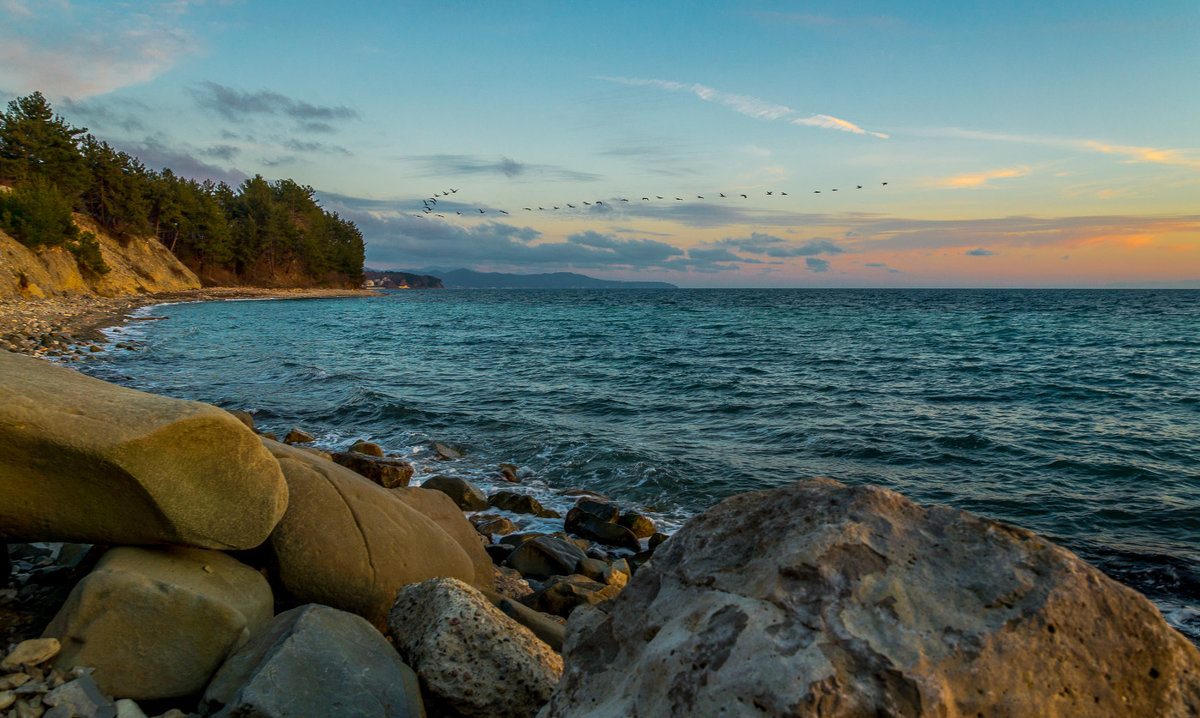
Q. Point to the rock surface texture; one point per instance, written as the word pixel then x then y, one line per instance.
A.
pixel 469 655
pixel 823 599
pixel 315 661
pixel 348 543
pixel 440 508
pixel 156 623
pixel 84 460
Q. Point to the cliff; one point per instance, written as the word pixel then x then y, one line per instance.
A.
pixel 138 266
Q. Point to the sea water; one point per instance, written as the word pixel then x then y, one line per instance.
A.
pixel 1072 413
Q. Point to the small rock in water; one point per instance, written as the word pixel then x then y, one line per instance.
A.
pixel 508 472
pixel 496 526
pixel 298 436
pixel 521 504
pixel 369 448
pixel 445 453
pixel 641 526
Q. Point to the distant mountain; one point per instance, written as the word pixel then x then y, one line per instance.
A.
pixel 468 279
pixel 388 279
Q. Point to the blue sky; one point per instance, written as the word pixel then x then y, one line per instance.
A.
pixel 1024 144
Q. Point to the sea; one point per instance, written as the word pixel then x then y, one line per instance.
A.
pixel 1074 413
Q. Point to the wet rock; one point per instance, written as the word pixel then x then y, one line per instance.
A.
pixel 520 504
pixel 581 544
pixel 657 540
pixel 589 526
pixel 445 453
pixel 549 629
pixel 468 654
pixel 495 526
pixel 498 552
pixel 348 543
pixel 466 495
pixel 822 599
pixel 388 473
pixel 298 436
pixel 603 510
pixel 545 556
pixel 84 460
pixel 508 472
pixel 603 572
pixel 639 525
pixel 130 616
pixel 518 539
pixel 563 594
pixel 314 661
pixel 369 448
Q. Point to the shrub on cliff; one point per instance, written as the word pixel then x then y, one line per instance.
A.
pixel 38 214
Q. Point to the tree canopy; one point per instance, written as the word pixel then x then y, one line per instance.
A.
pixel 262 232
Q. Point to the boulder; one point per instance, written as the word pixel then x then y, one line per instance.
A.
pixel 603 572
pixel 658 539
pixel 520 504
pixel 603 510
pixel 493 525
pixel 545 556
pixel 32 652
pixel 298 436
pixel 563 594
pixel 466 495
pixel 823 599
pixel 509 582
pixel 440 509
pixel 243 416
pixel 350 544
pixel 641 526
pixel 156 623
pixel 314 661
pixel 548 629
pixel 468 654
pixel 369 448
pixel 590 526
pixel 445 453
pixel 84 460
pixel 388 473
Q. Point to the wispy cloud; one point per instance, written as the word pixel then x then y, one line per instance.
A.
pixel 1184 157
pixel 978 179
pixel 1188 158
pixel 980 252
pixel 447 164
pixel 234 104
pixel 749 106
pixel 80 50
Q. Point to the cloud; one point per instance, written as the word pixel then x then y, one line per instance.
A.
pixel 101 116
pixel 977 179
pixel 320 147
pixel 446 164
pixel 1187 158
pixel 234 104
pixel 779 248
pixel 80 50
pixel 1149 154
pixel 223 152
pixel 816 264
pixel 747 105
pixel 156 154
pixel 980 252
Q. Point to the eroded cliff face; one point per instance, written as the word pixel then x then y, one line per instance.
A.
pixel 139 266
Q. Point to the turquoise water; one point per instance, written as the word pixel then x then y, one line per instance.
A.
pixel 1073 413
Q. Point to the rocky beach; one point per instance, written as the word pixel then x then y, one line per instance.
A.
pixel 165 558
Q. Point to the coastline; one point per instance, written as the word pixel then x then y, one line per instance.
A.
pixel 41 325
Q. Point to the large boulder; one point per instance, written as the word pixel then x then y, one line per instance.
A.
pixel 84 460
pixel 440 508
pixel 468 654
pixel 589 526
pixel 348 543
pixel 466 495
pixel 822 599
pixel 544 556
pixel 157 622
pixel 314 661
pixel 388 473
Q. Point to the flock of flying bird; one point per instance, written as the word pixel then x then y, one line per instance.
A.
pixel 431 209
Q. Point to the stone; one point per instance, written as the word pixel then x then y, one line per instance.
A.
pixel 128 708
pixel 349 543
pixel 495 526
pixel 445 453
pixel 518 539
pixel 545 627
pixel 388 473
pixel 498 552
pixel 823 599
pixel 545 556
pixel 508 472
pixel 132 614
pixel 33 652
pixel 83 460
pixel 298 436
pixel 466 495
pixel 369 448
pixel 603 572
pixel 520 504
pixel 603 510
pixel 563 594
pixel 7 698
pixel 314 661
pixel 440 508
pixel 658 539
pixel 510 583
pixel 590 526
pixel 79 698
pixel 639 525
pixel 468 654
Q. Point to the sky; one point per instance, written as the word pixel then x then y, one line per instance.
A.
pixel 1047 144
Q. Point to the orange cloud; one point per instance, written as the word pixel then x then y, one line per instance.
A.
pixel 1148 154
pixel 978 179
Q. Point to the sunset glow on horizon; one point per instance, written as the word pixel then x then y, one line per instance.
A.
pixel 1021 145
